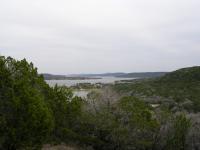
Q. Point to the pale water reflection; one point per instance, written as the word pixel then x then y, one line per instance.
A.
pixel 92 81
pixel 83 93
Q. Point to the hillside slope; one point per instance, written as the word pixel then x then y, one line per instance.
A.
pixel 181 86
pixel 142 75
pixel 182 75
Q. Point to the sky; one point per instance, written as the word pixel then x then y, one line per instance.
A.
pixel 97 36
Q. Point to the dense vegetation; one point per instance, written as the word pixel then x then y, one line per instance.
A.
pixel 142 75
pixel 181 87
pixel 33 114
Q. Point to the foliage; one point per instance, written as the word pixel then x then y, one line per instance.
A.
pixel 32 113
pixel 66 110
pixel 177 139
pixel 127 124
pixel 25 118
pixel 181 86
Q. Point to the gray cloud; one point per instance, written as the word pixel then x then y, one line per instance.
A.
pixel 89 36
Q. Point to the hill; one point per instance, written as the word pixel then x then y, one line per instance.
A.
pixel 181 86
pixel 142 75
pixel 53 77
pixel 63 77
pixel 115 74
pixel 184 74
pixel 99 74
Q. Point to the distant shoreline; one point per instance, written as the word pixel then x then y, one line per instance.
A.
pixel 100 76
pixel 73 78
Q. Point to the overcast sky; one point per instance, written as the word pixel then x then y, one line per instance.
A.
pixel 96 36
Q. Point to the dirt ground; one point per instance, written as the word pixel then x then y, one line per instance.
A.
pixel 59 147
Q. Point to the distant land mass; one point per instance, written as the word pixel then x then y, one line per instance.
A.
pixel 53 77
pixel 64 77
pixel 98 76
pixel 142 74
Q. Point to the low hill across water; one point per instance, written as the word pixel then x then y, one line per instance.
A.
pixel 64 77
pixel 53 77
pixel 142 75
pixel 94 76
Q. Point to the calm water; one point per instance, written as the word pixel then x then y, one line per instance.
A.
pixel 93 81
pixel 83 93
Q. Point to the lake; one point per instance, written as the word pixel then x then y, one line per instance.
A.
pixel 106 80
pixel 83 93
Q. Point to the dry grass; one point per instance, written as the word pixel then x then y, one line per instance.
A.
pixel 59 147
